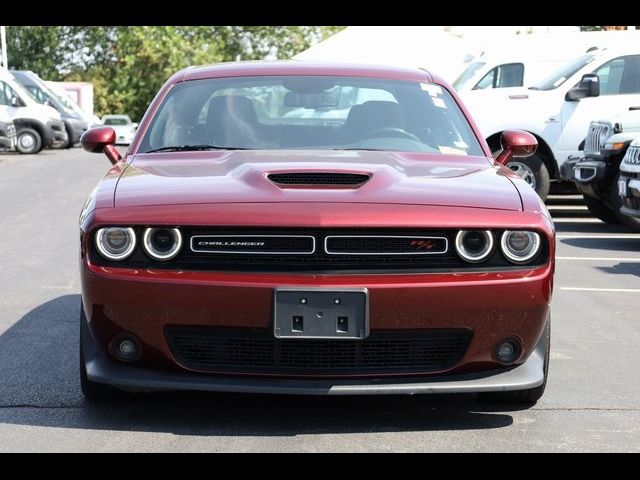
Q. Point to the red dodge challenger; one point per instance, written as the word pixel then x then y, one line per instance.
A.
pixel 313 228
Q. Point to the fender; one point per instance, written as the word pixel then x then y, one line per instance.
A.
pixel 45 131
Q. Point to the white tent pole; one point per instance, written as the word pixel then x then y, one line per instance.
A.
pixel 3 40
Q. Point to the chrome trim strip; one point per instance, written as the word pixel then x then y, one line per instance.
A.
pixel 313 244
pixel 326 248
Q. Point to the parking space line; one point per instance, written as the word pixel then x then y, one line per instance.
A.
pixel 601 259
pixel 589 289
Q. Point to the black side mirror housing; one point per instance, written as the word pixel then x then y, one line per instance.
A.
pixel 14 102
pixel 589 86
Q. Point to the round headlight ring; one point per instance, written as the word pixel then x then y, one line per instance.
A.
pixel 162 255
pixel 473 257
pixel 525 255
pixel 109 251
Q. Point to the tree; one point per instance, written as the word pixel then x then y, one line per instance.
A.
pixel 128 65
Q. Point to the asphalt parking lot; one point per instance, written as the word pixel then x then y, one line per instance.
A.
pixel 592 402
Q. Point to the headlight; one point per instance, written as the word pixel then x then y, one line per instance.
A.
pixel 520 246
pixel 115 243
pixel 162 243
pixel 474 245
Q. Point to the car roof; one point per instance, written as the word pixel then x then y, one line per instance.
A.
pixel 126 117
pixel 302 67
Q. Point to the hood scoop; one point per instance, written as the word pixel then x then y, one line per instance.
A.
pixel 319 179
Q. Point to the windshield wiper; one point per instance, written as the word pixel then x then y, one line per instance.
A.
pixel 193 148
pixel 367 149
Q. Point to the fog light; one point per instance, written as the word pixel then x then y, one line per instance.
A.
pixel 508 350
pixel 125 348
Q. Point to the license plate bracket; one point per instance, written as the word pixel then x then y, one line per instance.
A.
pixel 321 313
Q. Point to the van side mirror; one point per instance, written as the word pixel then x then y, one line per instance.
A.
pixel 101 140
pixel 15 102
pixel 589 86
pixel 516 144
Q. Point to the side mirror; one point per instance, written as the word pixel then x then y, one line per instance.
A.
pixel 516 144
pixel 101 140
pixel 589 86
pixel 14 102
pixel 134 125
pixel 48 103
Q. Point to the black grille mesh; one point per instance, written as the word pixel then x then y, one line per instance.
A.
pixel 318 178
pixel 258 351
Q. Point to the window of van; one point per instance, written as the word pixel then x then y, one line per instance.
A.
pixel 6 93
pixel 502 76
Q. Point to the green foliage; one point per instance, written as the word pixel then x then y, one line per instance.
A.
pixel 128 65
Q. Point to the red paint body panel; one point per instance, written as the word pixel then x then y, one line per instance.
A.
pixel 406 190
pixel 396 178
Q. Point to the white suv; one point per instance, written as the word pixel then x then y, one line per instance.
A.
pixel 558 109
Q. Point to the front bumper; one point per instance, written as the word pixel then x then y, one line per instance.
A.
pixel 56 134
pixel 493 305
pixel 75 128
pixel 101 369
pixel 629 190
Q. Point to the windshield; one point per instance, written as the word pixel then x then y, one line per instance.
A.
pixel 305 112
pixel 564 73
pixel 467 74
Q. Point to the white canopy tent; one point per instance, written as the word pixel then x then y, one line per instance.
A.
pixel 440 49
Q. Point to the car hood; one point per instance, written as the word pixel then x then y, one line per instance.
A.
pixel 242 177
pixel 630 121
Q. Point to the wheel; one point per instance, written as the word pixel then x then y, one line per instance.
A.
pixel 632 222
pixel 599 209
pixel 533 170
pixel 28 141
pixel 92 390
pixel 531 395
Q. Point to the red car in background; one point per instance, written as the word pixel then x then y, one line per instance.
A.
pixel 313 228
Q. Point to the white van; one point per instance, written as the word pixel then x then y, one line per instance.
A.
pixel 37 126
pixel 558 109
pixel 524 60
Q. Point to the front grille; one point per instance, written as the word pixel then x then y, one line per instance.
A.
pixel 595 138
pixel 385 245
pixel 632 157
pixel 318 178
pixel 258 351
pixel 355 261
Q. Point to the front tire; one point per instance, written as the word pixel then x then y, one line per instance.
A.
pixel 29 141
pixel 530 395
pixel 534 171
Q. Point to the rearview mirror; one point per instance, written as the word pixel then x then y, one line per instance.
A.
pixel 589 86
pixel 516 144
pixel 101 140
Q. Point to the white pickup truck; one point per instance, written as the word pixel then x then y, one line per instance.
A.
pixel 558 110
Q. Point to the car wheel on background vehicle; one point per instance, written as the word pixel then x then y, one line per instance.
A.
pixel 599 209
pixel 28 141
pixel 531 395
pixel 92 390
pixel 534 172
pixel 632 222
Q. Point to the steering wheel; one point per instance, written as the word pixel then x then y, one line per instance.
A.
pixel 391 132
